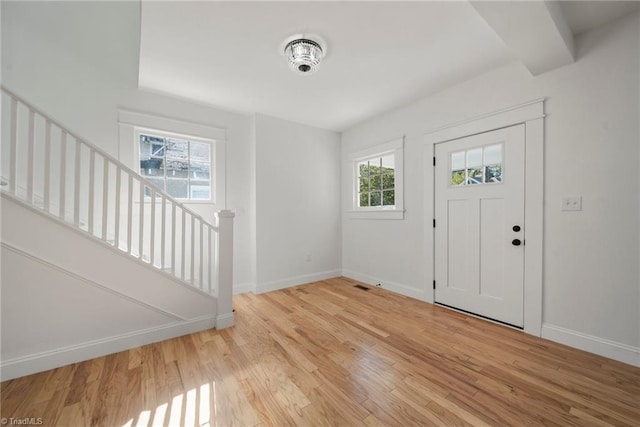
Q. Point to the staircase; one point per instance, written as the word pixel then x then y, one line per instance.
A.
pixel 79 224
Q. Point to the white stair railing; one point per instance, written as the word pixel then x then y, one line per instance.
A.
pixel 47 166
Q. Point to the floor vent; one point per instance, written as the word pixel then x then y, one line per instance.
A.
pixel 364 288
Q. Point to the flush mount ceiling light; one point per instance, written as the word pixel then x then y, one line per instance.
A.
pixel 304 53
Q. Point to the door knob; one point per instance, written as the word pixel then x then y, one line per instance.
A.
pixel 516 228
pixel 516 242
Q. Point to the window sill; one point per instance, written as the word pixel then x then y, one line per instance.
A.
pixel 376 214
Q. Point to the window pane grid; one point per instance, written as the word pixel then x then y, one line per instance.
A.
pixel 481 165
pixel 376 182
pixel 180 167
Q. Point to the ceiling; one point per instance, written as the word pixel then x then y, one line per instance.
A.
pixel 381 55
pixel 583 16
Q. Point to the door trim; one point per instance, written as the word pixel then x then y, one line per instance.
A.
pixel 531 114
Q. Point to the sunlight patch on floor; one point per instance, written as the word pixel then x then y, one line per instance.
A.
pixel 193 408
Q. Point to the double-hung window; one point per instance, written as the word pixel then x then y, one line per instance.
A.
pixel 378 182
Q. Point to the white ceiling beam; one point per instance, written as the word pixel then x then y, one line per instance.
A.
pixel 535 31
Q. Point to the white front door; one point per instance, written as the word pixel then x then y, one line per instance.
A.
pixel 479 219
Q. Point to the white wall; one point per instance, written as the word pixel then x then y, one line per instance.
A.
pixel 591 277
pixel 83 68
pixel 297 204
pixel 74 60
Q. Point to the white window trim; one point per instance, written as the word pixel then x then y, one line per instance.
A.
pixel 395 147
pixel 131 123
pixel 170 125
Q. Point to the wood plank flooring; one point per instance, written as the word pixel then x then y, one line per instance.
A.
pixel 328 354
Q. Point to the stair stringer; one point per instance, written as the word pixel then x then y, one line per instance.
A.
pixel 68 297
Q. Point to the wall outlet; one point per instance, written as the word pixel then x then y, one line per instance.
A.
pixel 572 203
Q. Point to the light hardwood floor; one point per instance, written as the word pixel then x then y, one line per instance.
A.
pixel 330 354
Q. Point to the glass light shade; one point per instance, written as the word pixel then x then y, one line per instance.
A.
pixel 304 55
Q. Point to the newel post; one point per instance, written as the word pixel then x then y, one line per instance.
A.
pixel 224 317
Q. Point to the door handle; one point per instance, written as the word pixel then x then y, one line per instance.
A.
pixel 516 242
pixel 516 228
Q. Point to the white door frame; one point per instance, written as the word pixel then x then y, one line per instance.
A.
pixel 531 114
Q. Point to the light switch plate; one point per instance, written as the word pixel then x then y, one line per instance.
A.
pixel 572 203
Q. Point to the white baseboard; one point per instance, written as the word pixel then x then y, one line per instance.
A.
pixel 243 288
pixel 295 281
pixel 39 362
pixel 401 289
pixel 225 321
pixel 602 347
